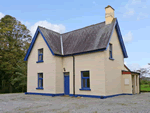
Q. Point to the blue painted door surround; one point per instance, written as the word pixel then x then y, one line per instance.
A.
pixel 66 84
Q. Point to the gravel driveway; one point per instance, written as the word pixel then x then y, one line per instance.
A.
pixel 21 103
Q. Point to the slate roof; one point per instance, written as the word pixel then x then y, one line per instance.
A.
pixel 53 39
pixel 86 39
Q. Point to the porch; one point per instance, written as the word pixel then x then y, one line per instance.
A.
pixel 130 82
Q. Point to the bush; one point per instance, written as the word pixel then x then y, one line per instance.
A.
pixel 144 82
pixel 149 84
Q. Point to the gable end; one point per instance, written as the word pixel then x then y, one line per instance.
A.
pixel 33 41
pixel 121 40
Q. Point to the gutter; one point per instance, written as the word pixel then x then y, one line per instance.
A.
pixel 62 50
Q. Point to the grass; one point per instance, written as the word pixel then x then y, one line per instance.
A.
pixel 145 87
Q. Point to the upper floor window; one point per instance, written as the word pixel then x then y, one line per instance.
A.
pixel 85 80
pixel 40 55
pixel 110 52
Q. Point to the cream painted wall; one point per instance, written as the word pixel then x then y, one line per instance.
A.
pixel 48 67
pixel 127 88
pixel 94 62
pixel 125 68
pixel 113 67
pixel 138 84
pixel 68 65
pixel 59 75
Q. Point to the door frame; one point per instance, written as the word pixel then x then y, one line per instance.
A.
pixel 64 81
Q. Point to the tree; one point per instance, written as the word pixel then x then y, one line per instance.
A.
pixel 14 42
pixel 144 72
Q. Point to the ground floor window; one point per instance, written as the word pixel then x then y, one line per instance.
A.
pixel 85 80
pixel 40 80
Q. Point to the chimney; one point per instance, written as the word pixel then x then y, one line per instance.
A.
pixel 109 14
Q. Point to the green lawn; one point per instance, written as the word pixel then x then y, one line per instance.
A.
pixel 145 87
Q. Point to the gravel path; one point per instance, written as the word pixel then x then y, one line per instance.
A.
pixel 21 103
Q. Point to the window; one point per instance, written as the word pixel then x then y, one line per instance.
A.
pixel 126 81
pixel 110 52
pixel 40 81
pixel 85 80
pixel 40 55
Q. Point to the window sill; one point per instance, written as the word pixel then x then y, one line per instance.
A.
pixel 40 88
pixel 39 61
pixel 111 58
pixel 86 89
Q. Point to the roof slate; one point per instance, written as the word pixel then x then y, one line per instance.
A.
pixel 53 39
pixel 86 39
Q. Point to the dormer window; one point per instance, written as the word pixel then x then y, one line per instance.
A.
pixel 110 52
pixel 40 55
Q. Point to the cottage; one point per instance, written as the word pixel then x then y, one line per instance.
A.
pixel 86 62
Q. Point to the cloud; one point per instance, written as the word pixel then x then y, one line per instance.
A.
pixel 128 37
pixel 146 66
pixel 94 2
pixel 134 66
pixel 26 23
pixel 55 27
pixel 129 12
pixel 136 1
pixel 142 16
pixel 132 8
pixel 1 15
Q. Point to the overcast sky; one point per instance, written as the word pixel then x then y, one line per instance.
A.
pixel 66 15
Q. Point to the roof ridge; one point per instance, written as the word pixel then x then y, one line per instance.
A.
pixel 84 27
pixel 73 30
pixel 49 30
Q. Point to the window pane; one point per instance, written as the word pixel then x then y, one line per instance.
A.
pixel 40 57
pixel 83 83
pixel 39 82
pixel 40 75
pixel 88 83
pixel 86 74
pixel 40 51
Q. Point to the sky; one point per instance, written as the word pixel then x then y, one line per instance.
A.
pixel 67 15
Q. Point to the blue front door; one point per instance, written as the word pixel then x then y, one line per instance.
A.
pixel 66 84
